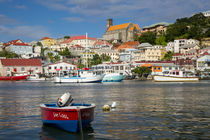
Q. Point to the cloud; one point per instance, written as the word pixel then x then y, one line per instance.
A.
pixel 23 7
pixel 5 20
pixel 27 32
pixel 73 19
pixel 141 10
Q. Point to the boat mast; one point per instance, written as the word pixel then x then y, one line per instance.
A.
pixel 86 64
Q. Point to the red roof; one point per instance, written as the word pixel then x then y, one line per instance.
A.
pixel 20 44
pixel 101 42
pixel 77 38
pixel 21 62
pixel 177 54
pixel 45 38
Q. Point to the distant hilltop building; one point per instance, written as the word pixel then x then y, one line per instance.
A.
pixel 206 14
pixel 123 32
pixel 157 28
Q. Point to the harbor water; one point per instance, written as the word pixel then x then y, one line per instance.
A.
pixel 144 110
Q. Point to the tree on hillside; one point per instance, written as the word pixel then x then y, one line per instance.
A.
pixel 65 52
pixel 8 54
pixel 168 56
pixel 67 37
pixel 142 71
pixel 105 57
pixel 147 37
pixel 161 40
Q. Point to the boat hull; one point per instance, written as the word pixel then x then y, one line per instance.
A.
pixel 113 78
pixel 68 118
pixel 77 79
pixel 13 78
pixel 162 78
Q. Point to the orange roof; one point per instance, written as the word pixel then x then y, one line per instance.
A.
pixel 117 27
pixel 45 38
pixel 122 26
pixel 122 47
pixel 135 25
pixel 146 65
pixel 133 43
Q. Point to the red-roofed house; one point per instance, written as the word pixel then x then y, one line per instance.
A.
pixel 102 44
pixel 10 66
pixel 123 47
pixel 78 40
pixel 20 48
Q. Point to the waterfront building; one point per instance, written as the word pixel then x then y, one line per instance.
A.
pixel 158 28
pixel 79 40
pixel 59 67
pixel 157 67
pixel 47 42
pixel 10 66
pixel 122 32
pixel 20 48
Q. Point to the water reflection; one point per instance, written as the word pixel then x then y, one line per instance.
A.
pixel 52 133
pixel 145 110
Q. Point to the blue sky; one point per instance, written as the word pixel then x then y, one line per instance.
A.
pixel 33 19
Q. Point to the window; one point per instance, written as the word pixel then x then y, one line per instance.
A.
pixel 22 69
pixel 8 69
pixel 55 68
pixel 158 68
pixel 49 68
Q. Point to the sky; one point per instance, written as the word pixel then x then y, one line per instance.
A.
pixel 31 20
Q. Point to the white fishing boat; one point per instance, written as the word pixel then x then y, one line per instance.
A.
pixel 80 76
pixel 175 76
pixel 35 77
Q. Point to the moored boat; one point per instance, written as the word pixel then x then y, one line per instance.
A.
pixel 35 77
pixel 13 78
pixel 80 76
pixel 71 117
pixel 113 77
pixel 175 76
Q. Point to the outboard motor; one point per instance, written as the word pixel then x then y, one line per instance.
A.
pixel 64 100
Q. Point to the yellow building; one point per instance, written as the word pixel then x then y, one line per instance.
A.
pixel 205 42
pixel 150 54
pixel 47 42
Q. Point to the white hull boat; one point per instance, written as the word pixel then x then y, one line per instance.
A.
pixel 175 76
pixel 80 77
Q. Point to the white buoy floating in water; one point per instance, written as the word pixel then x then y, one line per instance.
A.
pixel 113 105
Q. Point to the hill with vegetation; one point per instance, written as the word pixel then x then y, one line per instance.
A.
pixel 195 27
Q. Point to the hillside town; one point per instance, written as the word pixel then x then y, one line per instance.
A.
pixel 118 49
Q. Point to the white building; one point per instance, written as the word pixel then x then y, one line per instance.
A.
pixel 177 44
pixel 79 40
pixel 206 14
pixel 203 63
pixel 60 67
